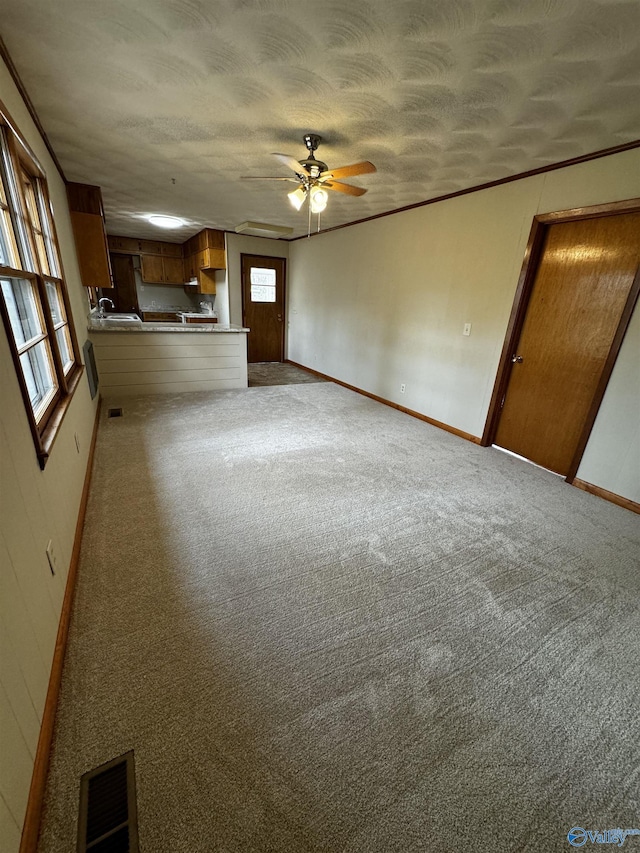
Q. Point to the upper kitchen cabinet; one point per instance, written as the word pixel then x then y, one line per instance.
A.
pixel 135 246
pixel 160 262
pixel 192 263
pixel 158 269
pixel 87 220
pixel 124 245
pixel 205 250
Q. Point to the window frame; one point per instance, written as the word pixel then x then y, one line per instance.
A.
pixel 16 156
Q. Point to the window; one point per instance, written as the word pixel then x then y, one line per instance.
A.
pixel 33 295
pixel 263 284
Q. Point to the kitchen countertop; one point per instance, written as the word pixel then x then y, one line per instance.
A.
pixel 166 309
pixel 95 325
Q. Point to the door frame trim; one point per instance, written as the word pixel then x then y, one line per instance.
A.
pixel 243 255
pixel 524 289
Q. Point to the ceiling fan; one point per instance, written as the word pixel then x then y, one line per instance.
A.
pixel 314 177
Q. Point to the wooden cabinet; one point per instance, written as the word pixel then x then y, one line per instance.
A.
pixel 208 238
pixel 205 250
pixel 205 259
pixel 214 259
pixel 135 246
pixel 206 282
pixel 201 281
pixel 157 269
pixel 152 268
pixel 159 317
pixel 173 263
pixel 173 270
pixel 171 250
pixel 125 245
pixel 201 319
pixel 189 265
pixel 87 220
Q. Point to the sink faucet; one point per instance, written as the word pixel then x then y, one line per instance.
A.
pixel 101 306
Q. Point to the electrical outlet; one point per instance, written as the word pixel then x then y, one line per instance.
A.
pixel 52 556
pixel 467 329
pixel 75 435
pixel 403 388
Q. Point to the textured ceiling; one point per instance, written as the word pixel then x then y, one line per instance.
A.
pixel 166 103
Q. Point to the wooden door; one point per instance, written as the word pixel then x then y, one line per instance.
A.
pixel 125 295
pixel 582 285
pixel 263 307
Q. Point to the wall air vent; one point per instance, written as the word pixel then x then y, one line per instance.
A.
pixel 263 229
pixel 92 371
pixel 108 821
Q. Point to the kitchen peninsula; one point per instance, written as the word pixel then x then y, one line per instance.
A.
pixel 133 357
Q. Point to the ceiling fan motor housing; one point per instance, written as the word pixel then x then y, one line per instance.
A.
pixel 313 167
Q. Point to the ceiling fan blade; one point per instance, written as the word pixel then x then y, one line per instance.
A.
pixel 349 171
pixel 349 189
pixel 266 178
pixel 292 163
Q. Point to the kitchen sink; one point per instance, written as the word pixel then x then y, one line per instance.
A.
pixel 118 320
pixel 121 318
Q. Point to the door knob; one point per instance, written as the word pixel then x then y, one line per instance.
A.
pixel 517 359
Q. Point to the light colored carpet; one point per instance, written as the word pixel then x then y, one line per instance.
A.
pixel 276 373
pixel 323 625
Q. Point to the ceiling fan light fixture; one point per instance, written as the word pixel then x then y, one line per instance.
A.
pixel 297 198
pixel 319 198
pixel 163 221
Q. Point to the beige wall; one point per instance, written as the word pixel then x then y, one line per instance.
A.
pixel 35 506
pixel 384 302
pixel 612 457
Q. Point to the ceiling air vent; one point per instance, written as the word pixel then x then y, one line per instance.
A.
pixel 108 816
pixel 262 229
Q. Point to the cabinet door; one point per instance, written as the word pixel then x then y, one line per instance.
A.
pixel 217 259
pixel 123 244
pixel 173 270
pixel 171 250
pixel 214 238
pixel 159 317
pixel 91 247
pixel 152 269
pixel 206 282
pixel 189 268
pixel 151 247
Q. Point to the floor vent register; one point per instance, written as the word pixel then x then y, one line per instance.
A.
pixel 108 817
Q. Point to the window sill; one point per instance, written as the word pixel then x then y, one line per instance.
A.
pixel 51 430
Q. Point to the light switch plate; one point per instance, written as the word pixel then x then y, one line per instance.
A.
pixel 467 329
